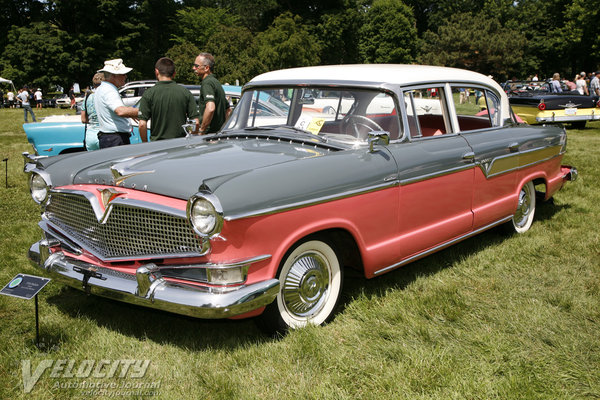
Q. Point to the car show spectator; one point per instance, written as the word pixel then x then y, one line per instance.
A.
pixel 535 78
pixel 114 125
pixel 213 105
pixel 23 97
pixel 38 98
pixel 89 116
pixel 10 96
pixel 595 85
pixel 167 104
pixel 555 83
pixel 580 84
pixel 1 98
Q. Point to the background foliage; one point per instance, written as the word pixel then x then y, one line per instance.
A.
pixel 58 42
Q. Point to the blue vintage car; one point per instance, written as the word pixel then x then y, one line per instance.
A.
pixel 62 134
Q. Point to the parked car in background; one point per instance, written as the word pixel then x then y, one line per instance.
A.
pixel 534 102
pixel 263 218
pixel 64 101
pixel 64 134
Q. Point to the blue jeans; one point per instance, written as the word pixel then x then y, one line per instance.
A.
pixel 27 107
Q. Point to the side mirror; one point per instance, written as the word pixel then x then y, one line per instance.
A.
pixel 378 137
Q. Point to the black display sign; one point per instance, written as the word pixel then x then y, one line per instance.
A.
pixel 24 286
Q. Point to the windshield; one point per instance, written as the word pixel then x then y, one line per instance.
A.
pixel 348 114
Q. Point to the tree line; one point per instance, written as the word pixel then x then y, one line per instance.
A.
pixel 45 43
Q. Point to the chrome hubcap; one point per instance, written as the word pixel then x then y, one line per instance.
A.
pixel 524 207
pixel 306 285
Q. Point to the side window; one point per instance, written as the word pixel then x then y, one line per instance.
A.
pixel 426 112
pixel 476 108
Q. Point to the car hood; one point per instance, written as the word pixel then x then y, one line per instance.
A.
pixel 178 167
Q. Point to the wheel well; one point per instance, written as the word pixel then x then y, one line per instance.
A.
pixel 344 245
pixel 541 187
pixel 72 150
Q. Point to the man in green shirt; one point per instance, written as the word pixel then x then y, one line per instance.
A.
pixel 213 105
pixel 167 104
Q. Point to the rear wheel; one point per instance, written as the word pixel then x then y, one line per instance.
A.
pixel 311 284
pixel 523 218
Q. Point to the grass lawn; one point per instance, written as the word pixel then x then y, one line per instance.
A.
pixel 494 317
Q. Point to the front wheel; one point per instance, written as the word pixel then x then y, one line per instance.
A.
pixel 311 284
pixel 523 218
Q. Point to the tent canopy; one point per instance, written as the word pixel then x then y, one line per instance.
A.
pixel 2 80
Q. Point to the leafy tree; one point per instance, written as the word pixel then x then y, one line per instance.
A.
pixel 339 35
pixel 198 25
pixel 236 54
pixel 476 42
pixel 288 43
pixel 388 34
pixel 183 55
pixel 35 55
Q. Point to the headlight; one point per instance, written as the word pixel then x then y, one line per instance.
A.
pixel 205 214
pixel 38 188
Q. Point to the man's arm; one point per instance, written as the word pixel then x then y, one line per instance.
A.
pixel 130 112
pixel 143 127
pixel 209 112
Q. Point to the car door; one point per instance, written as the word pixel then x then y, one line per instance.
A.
pixel 495 154
pixel 435 170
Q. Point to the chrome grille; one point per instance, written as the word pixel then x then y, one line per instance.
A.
pixel 129 232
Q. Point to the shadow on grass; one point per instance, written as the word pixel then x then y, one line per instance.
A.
pixel 199 334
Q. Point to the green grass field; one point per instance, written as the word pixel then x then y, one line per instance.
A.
pixel 494 317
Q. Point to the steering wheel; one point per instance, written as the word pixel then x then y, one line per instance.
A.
pixel 351 125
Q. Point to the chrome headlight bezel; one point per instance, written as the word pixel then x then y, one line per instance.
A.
pixel 205 214
pixel 39 187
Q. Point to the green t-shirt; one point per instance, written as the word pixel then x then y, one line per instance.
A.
pixel 168 105
pixel 212 90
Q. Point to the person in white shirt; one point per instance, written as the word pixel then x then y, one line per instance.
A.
pixel 114 125
pixel 23 97
pixel 11 99
pixel 581 86
pixel 595 85
pixel 38 98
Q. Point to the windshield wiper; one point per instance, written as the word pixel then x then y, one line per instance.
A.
pixel 312 135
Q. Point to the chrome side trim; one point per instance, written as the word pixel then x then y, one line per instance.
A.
pixel 149 289
pixel 312 202
pixel 568 118
pixel 442 246
pixel 515 161
pixel 449 171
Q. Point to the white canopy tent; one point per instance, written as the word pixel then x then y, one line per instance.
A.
pixel 2 80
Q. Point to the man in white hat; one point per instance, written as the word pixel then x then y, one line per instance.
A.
pixel 115 128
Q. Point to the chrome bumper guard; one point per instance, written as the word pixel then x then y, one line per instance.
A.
pixel 149 289
pixel 569 173
pixel 568 118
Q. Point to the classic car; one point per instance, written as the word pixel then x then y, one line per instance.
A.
pixel 64 134
pixel 270 212
pixel 534 102
pixel 61 134
pixel 65 101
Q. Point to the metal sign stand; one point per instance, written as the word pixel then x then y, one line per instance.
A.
pixel 25 287
pixel 6 173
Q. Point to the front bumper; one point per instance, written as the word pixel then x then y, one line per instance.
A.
pixel 149 289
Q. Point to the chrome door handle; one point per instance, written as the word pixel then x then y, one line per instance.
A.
pixel 469 156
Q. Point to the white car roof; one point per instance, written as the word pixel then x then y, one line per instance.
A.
pixel 400 74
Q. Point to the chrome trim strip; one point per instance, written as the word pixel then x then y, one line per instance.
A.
pixel 515 161
pixel 149 290
pixel 420 178
pixel 312 202
pixel 442 246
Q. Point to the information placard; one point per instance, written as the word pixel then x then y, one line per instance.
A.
pixel 24 286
